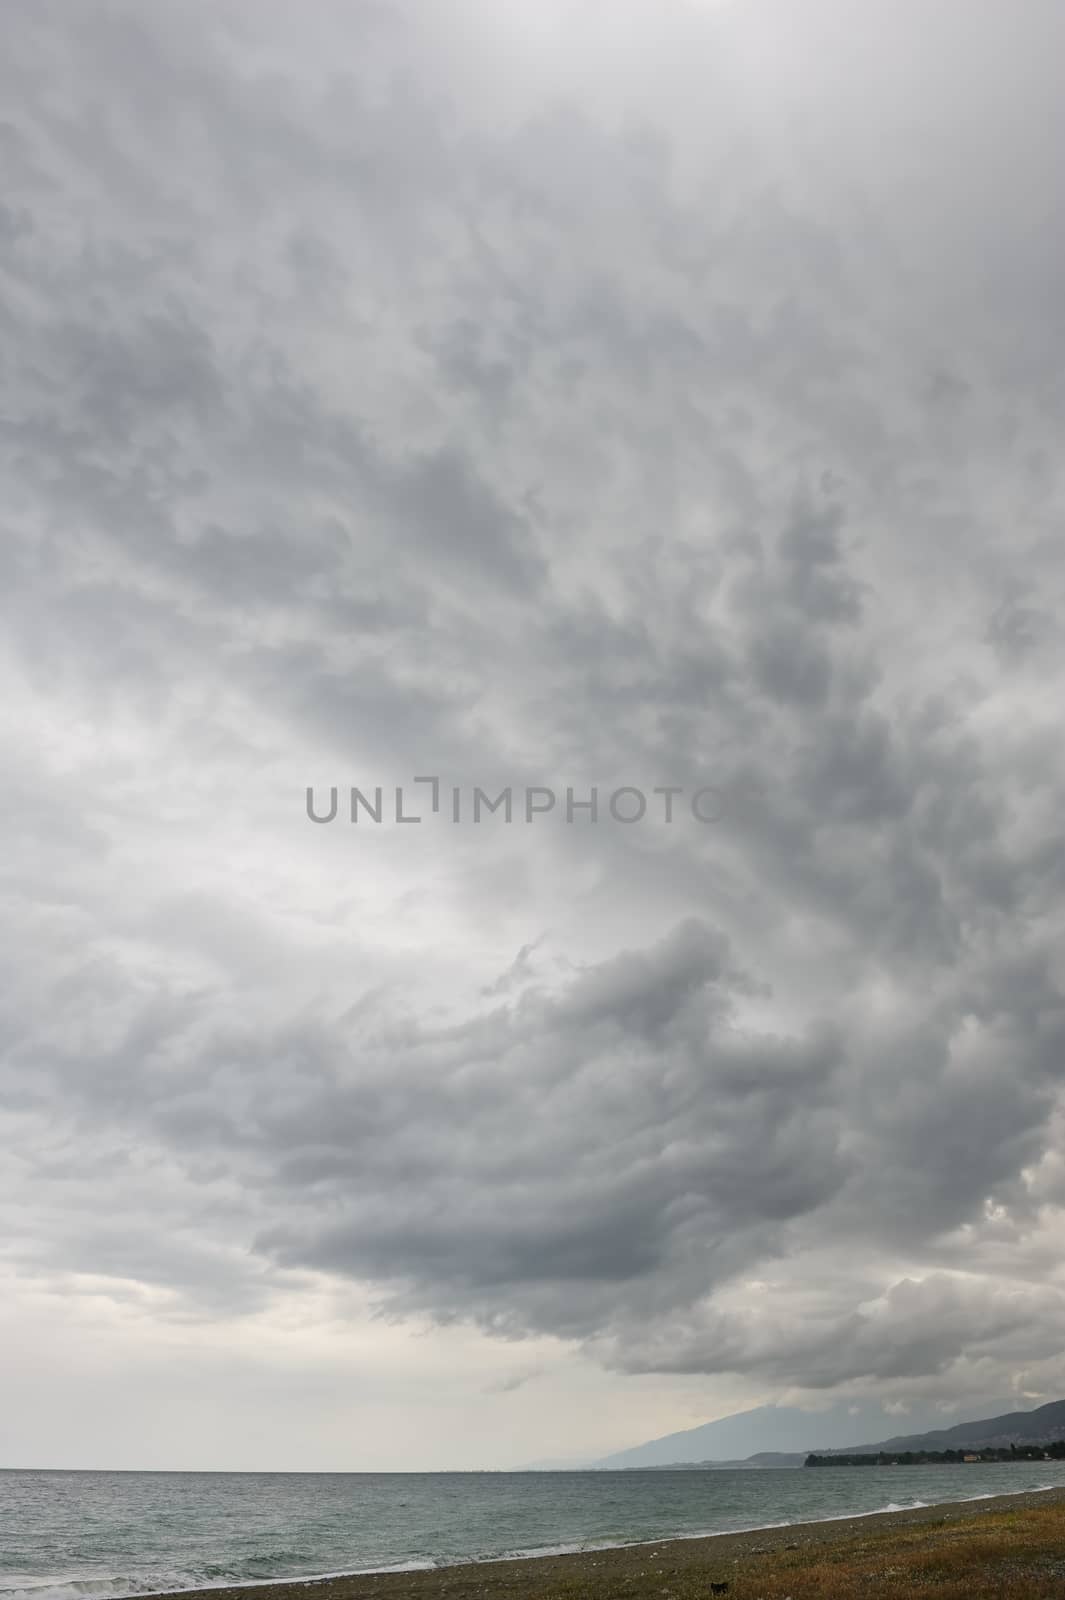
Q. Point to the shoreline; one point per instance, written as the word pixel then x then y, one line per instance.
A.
pixel 680 1558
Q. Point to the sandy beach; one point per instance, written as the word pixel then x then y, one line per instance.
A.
pixel 1011 1546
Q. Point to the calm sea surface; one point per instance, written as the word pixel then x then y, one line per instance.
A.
pixel 64 1534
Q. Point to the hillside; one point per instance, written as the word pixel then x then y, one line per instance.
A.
pixel 1044 1425
pixel 764 1429
pixel 764 1458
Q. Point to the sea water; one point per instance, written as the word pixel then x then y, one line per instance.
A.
pixel 64 1534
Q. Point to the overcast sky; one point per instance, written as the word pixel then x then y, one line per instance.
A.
pixel 530 394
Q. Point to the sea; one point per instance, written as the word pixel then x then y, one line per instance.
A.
pixel 101 1534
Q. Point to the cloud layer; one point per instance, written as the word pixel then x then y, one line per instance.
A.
pixel 541 395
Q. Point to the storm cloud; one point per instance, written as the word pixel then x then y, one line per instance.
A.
pixel 662 394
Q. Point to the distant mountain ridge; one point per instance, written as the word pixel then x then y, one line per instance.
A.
pixel 1044 1425
pixel 783 1430
pixel 763 1458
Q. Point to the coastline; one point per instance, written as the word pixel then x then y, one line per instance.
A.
pixel 793 1559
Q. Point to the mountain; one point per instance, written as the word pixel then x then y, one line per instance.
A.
pixel 764 1458
pixel 1044 1425
pixel 771 1428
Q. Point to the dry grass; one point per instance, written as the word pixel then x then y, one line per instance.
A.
pixel 1015 1555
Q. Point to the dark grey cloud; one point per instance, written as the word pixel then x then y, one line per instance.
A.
pixel 388 397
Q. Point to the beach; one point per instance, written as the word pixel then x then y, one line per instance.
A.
pixel 1011 1546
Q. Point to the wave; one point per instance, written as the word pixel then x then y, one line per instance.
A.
pixel 59 1587
pixel 64 1588
pixel 115 1587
